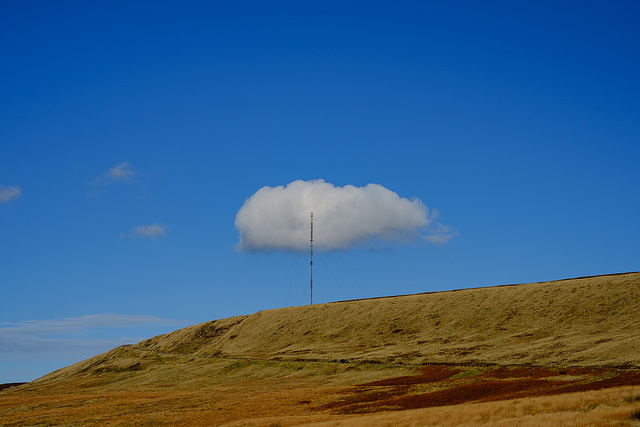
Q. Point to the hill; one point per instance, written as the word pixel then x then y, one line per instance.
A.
pixel 416 351
pixel 590 321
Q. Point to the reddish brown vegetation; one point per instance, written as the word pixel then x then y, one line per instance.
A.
pixel 428 374
pixel 438 386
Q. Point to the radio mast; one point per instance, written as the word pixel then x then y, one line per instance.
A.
pixel 311 261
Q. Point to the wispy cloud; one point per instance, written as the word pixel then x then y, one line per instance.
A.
pixel 9 192
pixel 438 233
pixel 41 338
pixel 121 177
pixel 151 231
pixel 120 173
pixel 277 218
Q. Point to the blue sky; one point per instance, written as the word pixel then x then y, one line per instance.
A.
pixel 132 133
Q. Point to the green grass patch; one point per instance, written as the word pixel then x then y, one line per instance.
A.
pixel 466 374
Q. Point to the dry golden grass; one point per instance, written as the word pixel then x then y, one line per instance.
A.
pixel 611 407
pixel 181 391
pixel 588 321
pixel 579 331
pixel 212 393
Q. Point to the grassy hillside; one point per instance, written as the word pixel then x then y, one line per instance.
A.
pixel 587 321
pixel 579 338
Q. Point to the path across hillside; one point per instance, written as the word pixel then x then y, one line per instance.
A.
pixel 257 359
pixel 352 362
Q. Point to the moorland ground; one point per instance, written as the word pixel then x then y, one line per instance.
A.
pixel 553 353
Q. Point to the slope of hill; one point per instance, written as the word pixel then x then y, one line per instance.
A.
pixel 586 321
pixel 575 335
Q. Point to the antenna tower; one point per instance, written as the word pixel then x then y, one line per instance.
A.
pixel 311 261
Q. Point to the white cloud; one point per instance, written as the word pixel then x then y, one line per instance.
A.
pixel 9 192
pixel 120 173
pixel 149 231
pixel 344 217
